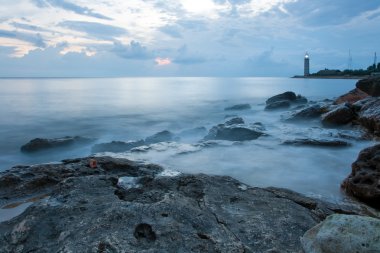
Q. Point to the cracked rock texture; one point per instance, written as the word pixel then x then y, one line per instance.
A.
pixel 124 206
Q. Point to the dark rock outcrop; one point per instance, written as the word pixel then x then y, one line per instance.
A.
pixel 317 142
pixel 238 107
pixel 341 115
pixel 117 146
pixel 122 205
pixel 40 144
pixel 284 100
pixel 351 97
pixel 369 114
pixel 364 180
pixel 371 86
pixel 234 130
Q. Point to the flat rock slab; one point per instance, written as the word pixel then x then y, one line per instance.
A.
pixel 317 142
pixel 343 233
pixel 122 206
pixel 41 144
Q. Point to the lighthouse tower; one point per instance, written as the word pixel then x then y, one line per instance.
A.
pixel 306 65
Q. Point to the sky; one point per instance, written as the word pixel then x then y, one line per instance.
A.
pixel 226 38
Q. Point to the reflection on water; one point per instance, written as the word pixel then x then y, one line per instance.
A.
pixel 134 108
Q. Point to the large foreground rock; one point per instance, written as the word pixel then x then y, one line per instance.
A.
pixel 40 144
pixel 123 206
pixel 371 86
pixel 369 114
pixel 351 97
pixel 343 233
pixel 364 180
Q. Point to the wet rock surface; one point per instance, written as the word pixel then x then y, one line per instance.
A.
pixel 369 114
pixel 340 115
pixel 343 233
pixel 41 144
pixel 371 86
pixel 235 130
pixel 238 107
pixel 310 112
pixel 278 105
pixel 364 180
pixel 351 97
pixel 116 146
pixel 123 206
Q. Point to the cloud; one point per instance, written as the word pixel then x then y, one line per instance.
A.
pixel 70 7
pixel 162 61
pixel 33 38
pixel 132 51
pixel 97 30
pixel 171 30
pixel 184 57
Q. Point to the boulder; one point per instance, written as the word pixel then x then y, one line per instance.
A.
pixel 40 144
pixel 234 130
pixel 238 107
pixel 343 233
pixel 286 96
pixel 351 97
pixel 364 180
pixel 313 111
pixel 123 205
pixel 117 146
pixel 369 114
pixel 341 115
pixel 278 105
pixel 371 86
pixel 317 142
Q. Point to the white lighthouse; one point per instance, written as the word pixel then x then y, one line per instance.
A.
pixel 306 65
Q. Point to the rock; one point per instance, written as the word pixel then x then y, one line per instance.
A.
pixel 300 100
pixel 286 96
pixel 117 146
pixel 351 97
pixel 364 180
pixel 371 86
pixel 127 205
pixel 238 107
pixel 313 111
pixel 162 136
pixel 317 142
pixel 40 144
pixel 278 105
pixel 234 130
pixel 341 115
pixel 343 233
pixel 369 114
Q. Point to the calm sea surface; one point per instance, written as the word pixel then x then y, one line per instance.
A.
pixel 134 108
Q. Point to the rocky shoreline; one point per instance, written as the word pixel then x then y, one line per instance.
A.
pixel 104 204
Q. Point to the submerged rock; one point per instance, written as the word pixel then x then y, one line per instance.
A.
pixel 371 86
pixel 317 142
pixel 162 136
pixel 234 130
pixel 343 233
pixel 351 97
pixel 126 205
pixel 238 107
pixel 364 180
pixel 341 115
pixel 40 144
pixel 117 146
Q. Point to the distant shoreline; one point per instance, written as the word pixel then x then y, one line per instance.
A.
pixel 331 77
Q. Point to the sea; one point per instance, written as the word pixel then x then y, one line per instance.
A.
pixel 127 109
